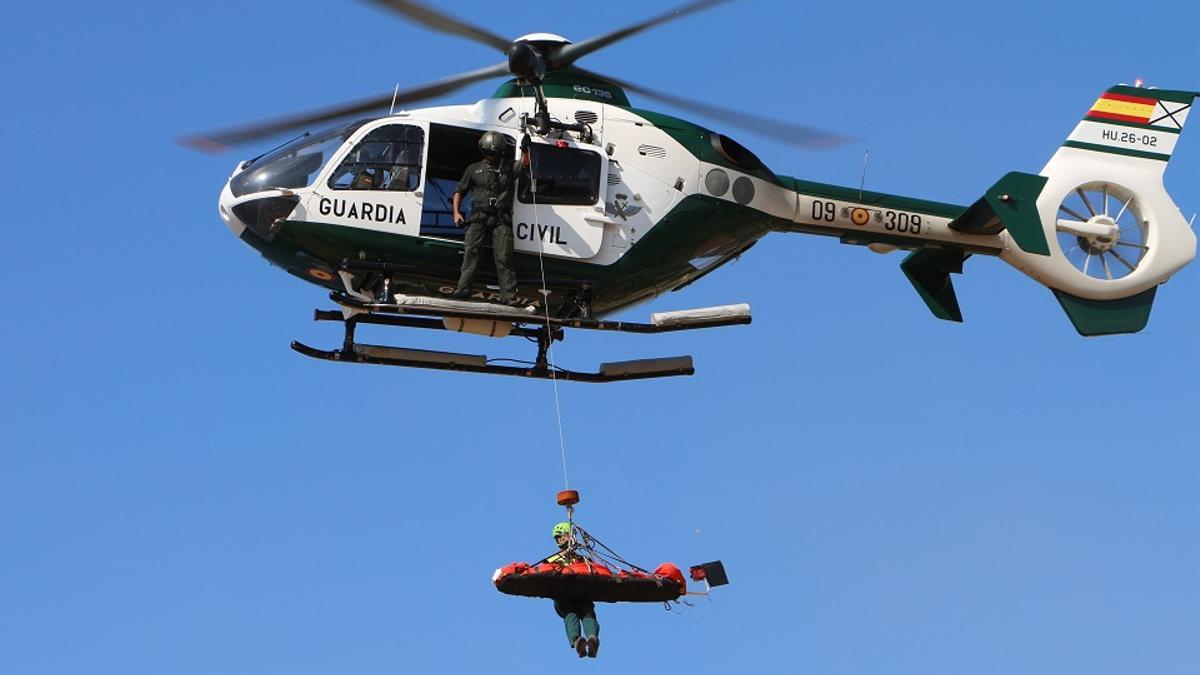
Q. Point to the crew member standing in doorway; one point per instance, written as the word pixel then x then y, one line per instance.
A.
pixel 491 183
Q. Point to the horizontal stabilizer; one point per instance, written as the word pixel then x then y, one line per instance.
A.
pixel 1108 317
pixel 1010 204
pixel 929 271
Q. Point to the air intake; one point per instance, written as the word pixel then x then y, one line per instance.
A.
pixel 652 151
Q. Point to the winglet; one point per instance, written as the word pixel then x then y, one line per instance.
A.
pixel 1010 204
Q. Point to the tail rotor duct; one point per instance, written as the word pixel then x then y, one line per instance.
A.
pixel 1102 230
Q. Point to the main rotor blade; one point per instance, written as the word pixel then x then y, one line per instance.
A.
pixel 438 20
pixel 795 134
pixel 573 52
pixel 225 138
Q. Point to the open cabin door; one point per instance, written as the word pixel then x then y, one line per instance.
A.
pixel 560 209
pixel 376 180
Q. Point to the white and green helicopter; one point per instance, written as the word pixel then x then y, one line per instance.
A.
pixel 622 204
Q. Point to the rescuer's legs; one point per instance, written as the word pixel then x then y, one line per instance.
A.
pixel 502 249
pixel 590 626
pixel 569 612
pixel 472 240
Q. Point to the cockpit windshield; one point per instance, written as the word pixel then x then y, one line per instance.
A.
pixel 294 165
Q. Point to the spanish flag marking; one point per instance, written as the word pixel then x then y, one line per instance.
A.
pixel 1124 108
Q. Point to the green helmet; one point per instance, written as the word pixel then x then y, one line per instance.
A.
pixel 492 141
pixel 561 529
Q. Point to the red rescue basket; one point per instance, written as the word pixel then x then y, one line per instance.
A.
pixel 588 580
pixel 586 569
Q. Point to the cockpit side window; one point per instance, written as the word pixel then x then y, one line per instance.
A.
pixel 388 158
pixel 294 165
pixel 564 176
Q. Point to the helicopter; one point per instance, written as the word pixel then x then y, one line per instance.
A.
pixel 623 204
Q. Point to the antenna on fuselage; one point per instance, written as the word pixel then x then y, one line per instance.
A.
pixel 862 184
pixel 395 93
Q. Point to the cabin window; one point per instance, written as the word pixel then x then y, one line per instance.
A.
pixel 388 158
pixel 564 176
pixel 294 165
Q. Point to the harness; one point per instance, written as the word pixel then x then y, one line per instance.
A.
pixel 498 191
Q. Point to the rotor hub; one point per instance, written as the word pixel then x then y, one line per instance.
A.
pixel 1106 234
pixel 526 61
pixel 543 39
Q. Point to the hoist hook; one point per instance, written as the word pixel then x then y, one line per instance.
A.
pixel 568 498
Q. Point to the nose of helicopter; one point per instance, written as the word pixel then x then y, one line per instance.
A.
pixel 225 209
pixel 258 214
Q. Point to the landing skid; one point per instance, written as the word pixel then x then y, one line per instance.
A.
pixel 439 314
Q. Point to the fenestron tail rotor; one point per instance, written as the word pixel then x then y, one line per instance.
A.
pixel 528 60
pixel 1102 231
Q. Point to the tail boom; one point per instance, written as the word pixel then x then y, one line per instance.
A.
pixel 1096 225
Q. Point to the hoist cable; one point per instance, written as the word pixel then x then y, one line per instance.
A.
pixel 562 445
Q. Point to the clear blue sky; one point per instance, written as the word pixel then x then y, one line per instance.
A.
pixel 180 493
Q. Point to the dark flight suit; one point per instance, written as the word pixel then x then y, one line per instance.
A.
pixel 491 189
pixel 578 614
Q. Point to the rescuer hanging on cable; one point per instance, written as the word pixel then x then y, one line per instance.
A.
pixel 578 613
pixel 584 571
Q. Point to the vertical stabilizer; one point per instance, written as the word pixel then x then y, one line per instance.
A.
pixel 1133 122
pixel 1113 232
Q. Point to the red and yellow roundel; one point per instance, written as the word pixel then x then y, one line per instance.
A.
pixel 860 216
pixel 319 274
